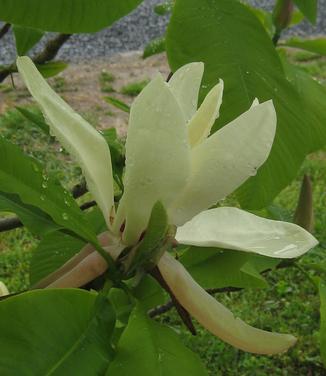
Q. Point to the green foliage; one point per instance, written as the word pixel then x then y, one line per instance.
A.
pixel 248 73
pixel 65 16
pixel 118 104
pixel 51 68
pixel 148 348
pixel 154 47
pixel 316 45
pixel 56 248
pixel 164 8
pixel 322 292
pixel 26 38
pixel 313 96
pixel 134 88
pixel 214 268
pixel 308 8
pixel 35 118
pixel 27 178
pixel 55 332
pixel 105 81
pixel 34 219
pixel 154 238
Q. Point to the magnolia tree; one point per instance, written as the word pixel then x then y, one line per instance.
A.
pixel 99 277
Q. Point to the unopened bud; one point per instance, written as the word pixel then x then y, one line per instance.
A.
pixel 282 14
pixel 304 214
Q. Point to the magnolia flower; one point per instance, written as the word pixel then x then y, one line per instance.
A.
pixel 3 289
pixel 171 158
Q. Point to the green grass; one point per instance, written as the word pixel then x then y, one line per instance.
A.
pixel 134 88
pixel 105 80
pixel 290 303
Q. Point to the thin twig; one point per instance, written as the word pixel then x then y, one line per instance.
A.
pixel 4 30
pixel 183 313
pixel 49 52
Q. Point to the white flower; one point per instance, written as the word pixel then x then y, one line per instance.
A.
pixel 170 158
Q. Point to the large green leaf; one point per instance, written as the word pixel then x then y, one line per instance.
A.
pixel 57 248
pixel 26 38
pixel 25 176
pixel 148 348
pixel 316 45
pixel 308 8
pixel 213 268
pixel 55 332
pixel 322 294
pixel 66 16
pixel 33 218
pixel 215 32
pixel 313 96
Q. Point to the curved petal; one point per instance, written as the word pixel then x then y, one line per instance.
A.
pixel 157 156
pixel 3 289
pixel 225 160
pixel 233 228
pixel 201 123
pixel 75 134
pixel 185 85
pixel 215 317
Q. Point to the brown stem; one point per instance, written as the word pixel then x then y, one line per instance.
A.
pixel 4 30
pixel 49 52
pixel 183 313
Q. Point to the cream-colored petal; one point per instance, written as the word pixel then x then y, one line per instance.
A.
pixel 201 123
pixel 225 160
pixel 255 102
pixel 217 318
pixel 75 134
pixel 185 85
pixel 3 289
pixel 157 156
pixel 233 228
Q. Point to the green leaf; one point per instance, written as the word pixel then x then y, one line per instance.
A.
pixel 264 17
pixel 297 17
pixel 25 176
pixel 52 252
pixel 164 8
pixel 51 68
pixel 213 268
pixel 149 292
pixel 33 218
pixel 55 332
pixel 26 38
pixel 57 248
pixel 148 348
pixel 316 45
pixel 118 104
pixel 308 8
pixel 117 150
pixel 65 16
pixel 154 47
pixel 36 119
pixel 313 97
pixel 154 236
pixel 254 71
pixel 322 295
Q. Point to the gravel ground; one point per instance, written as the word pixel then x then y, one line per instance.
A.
pixel 135 30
